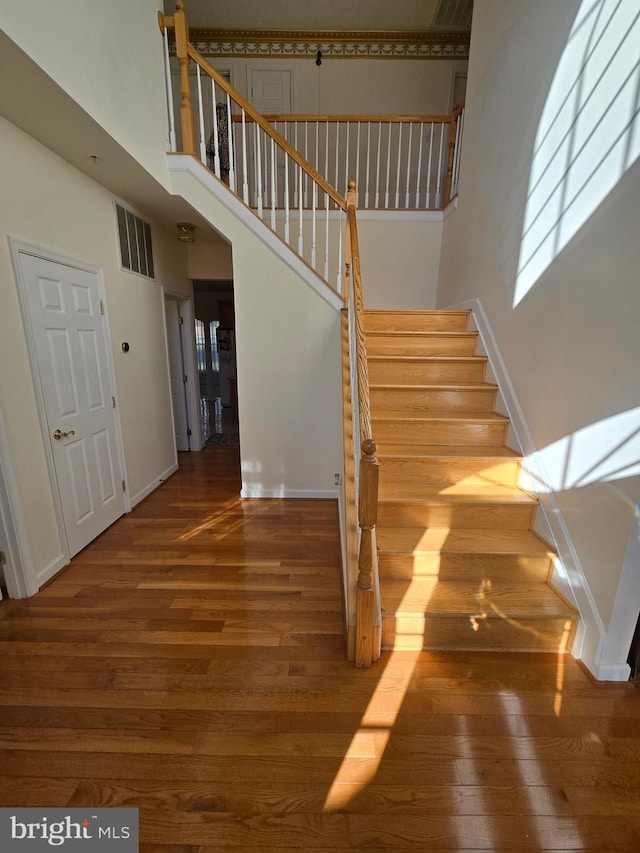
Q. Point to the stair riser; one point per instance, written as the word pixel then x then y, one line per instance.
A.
pixel 402 401
pixel 397 474
pixel 456 632
pixel 474 568
pixel 455 515
pixel 457 433
pixel 412 321
pixel 411 373
pixel 421 345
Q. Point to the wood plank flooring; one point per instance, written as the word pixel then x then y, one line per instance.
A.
pixel 190 662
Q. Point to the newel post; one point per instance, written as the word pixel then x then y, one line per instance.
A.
pixel 367 517
pixel 186 112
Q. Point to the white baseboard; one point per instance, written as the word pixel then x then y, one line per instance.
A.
pixel 45 574
pixel 613 672
pixel 568 576
pixel 319 494
pixel 153 485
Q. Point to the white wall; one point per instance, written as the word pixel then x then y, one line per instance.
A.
pixel 400 259
pixel 570 341
pixel 108 56
pixel 49 204
pixel 288 359
pixel 374 86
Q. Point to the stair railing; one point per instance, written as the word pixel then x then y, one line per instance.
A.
pixel 256 162
pixel 399 162
pixel 366 466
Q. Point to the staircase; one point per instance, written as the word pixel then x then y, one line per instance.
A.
pixel 460 564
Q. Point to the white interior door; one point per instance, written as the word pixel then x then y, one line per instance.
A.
pixel 72 359
pixel 177 373
pixel 271 91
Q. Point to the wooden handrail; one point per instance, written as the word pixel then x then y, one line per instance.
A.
pixel 352 117
pixel 367 636
pixel 453 130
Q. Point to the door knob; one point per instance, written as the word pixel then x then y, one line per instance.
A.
pixel 58 434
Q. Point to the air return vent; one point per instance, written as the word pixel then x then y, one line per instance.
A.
pixel 453 15
pixel 134 235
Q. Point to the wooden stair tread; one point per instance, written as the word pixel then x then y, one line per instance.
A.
pixel 466 494
pixel 443 540
pixel 436 386
pixel 418 359
pixel 430 597
pixel 419 333
pixel 446 451
pixel 482 417
pixel 418 312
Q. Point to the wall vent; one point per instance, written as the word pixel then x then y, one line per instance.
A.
pixel 134 235
pixel 453 14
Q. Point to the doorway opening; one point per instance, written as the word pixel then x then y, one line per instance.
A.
pixel 216 355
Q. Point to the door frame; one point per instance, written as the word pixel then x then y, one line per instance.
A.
pixel 18 247
pixel 187 312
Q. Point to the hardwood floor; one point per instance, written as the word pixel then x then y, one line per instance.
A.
pixel 190 663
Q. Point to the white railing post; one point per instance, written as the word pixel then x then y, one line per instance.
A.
pixel 203 144
pixel 167 69
pixel 245 174
pixel 232 170
pixel 216 141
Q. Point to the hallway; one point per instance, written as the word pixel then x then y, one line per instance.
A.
pixel 190 663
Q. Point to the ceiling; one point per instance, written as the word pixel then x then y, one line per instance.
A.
pixel 364 15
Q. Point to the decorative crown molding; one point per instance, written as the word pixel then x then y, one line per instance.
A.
pixel 337 44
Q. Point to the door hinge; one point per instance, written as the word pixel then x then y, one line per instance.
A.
pixel 113 402
pixel 188 432
pixel 185 378
pixel 180 321
pixel 101 307
pixel 124 486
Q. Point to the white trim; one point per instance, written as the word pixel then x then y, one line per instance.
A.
pixel 450 208
pixel 52 569
pixel 169 377
pixel 366 214
pixel 19 572
pixel 191 369
pixel 18 247
pixel 185 163
pixel 568 576
pixel 153 485
pixel 313 494
pixel 613 672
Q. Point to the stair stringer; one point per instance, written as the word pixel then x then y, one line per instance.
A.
pixel 568 576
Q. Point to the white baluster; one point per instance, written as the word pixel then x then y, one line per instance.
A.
pixel 273 184
pixel 366 191
pixel 316 159
pixel 245 181
pixel 340 230
pixel 336 181
pixel 295 145
pixel 438 186
pixel 406 200
pixel 378 165
pixel 357 160
pixel 303 175
pixel 203 146
pixel 167 70
pixel 265 173
pixel 232 170
pixel 419 165
pixel 456 158
pixel 326 167
pixel 313 224
pixel 398 169
pixel 286 198
pixel 300 237
pixel 386 188
pixel 258 157
pixel 346 162
pixel 216 145
pixel 428 196
pixel 326 235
